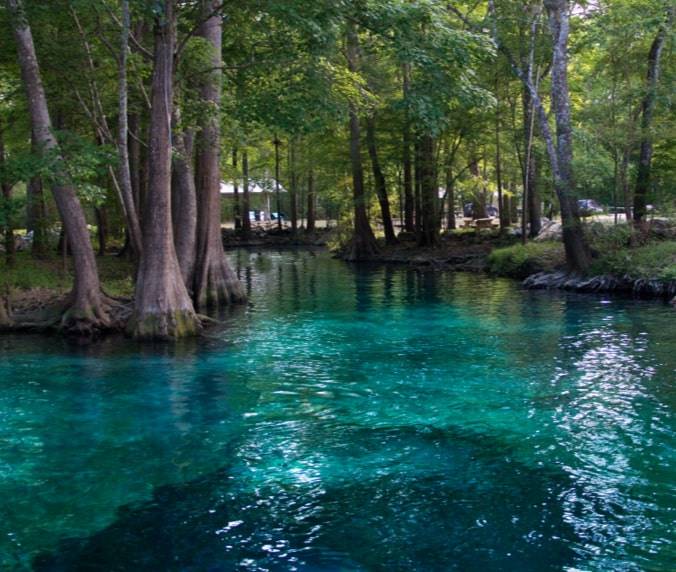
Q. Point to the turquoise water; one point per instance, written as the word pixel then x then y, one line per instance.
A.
pixel 371 419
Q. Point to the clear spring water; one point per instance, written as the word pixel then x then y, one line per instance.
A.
pixel 372 419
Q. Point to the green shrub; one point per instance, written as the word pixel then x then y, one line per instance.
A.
pixel 654 260
pixel 519 261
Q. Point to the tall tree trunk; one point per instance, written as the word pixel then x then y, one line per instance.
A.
pixel 624 181
pixel 10 249
pixel 479 198
pixel 417 186
pixel 363 245
pixel 215 283
pixel 37 217
pixel 163 309
pixel 102 229
pixel 236 208
pixel 311 200
pixel 504 222
pixel 278 197
pixel 409 200
pixel 450 198
pixel 85 312
pixel 428 235
pixel 577 250
pixel 379 180
pixel 246 221
pixel 135 159
pixel 531 204
pixel 293 191
pixel 183 200
pixel 647 111
pixel 124 171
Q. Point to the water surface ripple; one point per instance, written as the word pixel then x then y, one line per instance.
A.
pixel 350 419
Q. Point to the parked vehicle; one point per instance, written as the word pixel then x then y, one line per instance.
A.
pixel 468 210
pixel 589 207
pixel 274 216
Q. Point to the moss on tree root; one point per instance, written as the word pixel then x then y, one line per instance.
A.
pixel 169 325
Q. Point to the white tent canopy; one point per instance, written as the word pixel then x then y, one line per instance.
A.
pixel 263 186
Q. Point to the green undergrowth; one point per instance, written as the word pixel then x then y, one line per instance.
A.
pixel 28 273
pixel 616 251
pixel 519 260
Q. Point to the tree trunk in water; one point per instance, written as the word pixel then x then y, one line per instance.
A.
pixel 428 235
pixel 85 313
pixel 246 221
pixel 363 245
pixel 163 309
pixel 10 249
pixel 409 200
pixel 183 201
pixel 215 284
pixel 647 110
pixel 124 171
pixel 310 225
pixel 379 180
pixel 236 210
pixel 577 250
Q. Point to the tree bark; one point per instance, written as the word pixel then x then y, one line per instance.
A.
pixel 409 201
pixel 577 250
pixel 215 283
pixel 532 209
pixel 643 174
pixel 85 312
pixel 379 180
pixel 163 309
pixel 363 245
pixel 293 191
pixel 10 247
pixel 124 171
pixel 102 229
pixel 428 235
pixel 450 198
pixel 183 200
pixel 246 221
pixel 236 210
pixel 311 200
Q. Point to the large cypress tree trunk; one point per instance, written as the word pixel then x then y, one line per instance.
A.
pixel 215 284
pixel 363 245
pixel 85 312
pixel 163 309
pixel 183 200
pixel 577 251
pixel 428 235
pixel 379 180
pixel 643 174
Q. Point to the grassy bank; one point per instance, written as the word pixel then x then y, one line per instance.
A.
pixel 615 254
pixel 28 273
